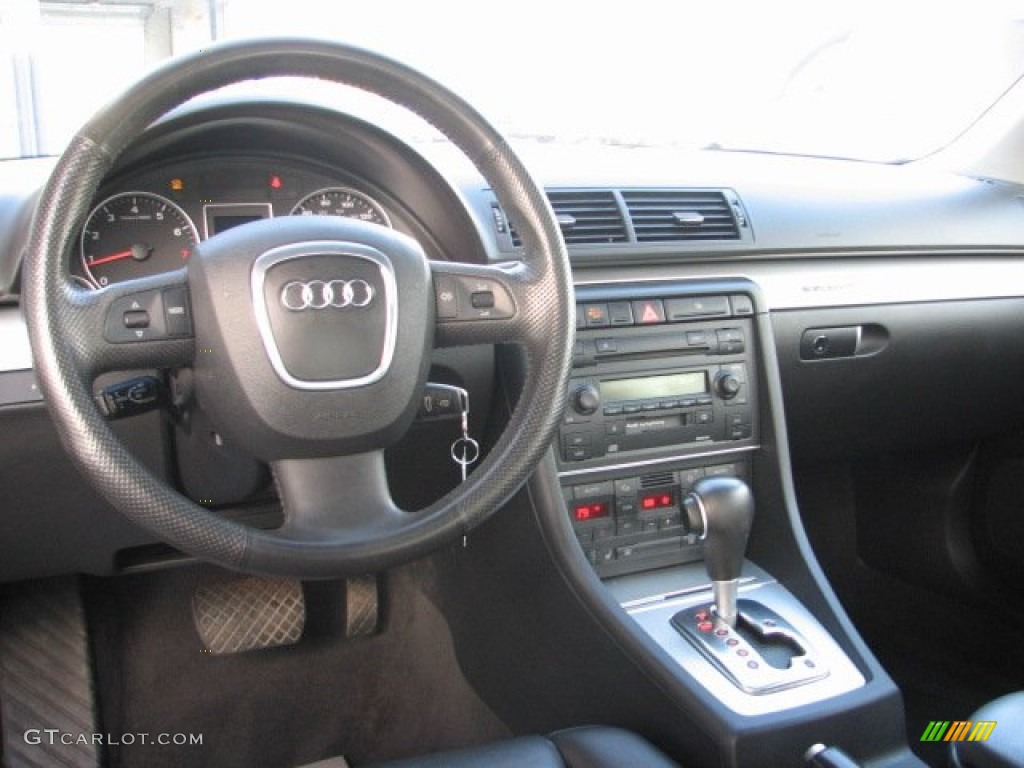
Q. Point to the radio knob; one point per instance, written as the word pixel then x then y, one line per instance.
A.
pixel 727 385
pixel 586 399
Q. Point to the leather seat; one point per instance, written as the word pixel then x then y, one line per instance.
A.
pixel 1004 747
pixel 585 747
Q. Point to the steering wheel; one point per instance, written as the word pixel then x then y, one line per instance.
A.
pixel 309 337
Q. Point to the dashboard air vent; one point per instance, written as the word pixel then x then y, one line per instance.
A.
pixel 586 217
pixel 656 480
pixel 667 215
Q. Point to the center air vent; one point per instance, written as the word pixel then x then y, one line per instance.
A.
pixel 665 215
pixel 586 217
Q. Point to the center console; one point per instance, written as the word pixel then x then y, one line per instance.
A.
pixel 663 393
pixel 670 510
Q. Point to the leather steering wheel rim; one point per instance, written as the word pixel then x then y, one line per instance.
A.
pixel 64 319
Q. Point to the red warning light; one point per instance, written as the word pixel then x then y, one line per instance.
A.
pixel 657 501
pixel 275 182
pixel 583 512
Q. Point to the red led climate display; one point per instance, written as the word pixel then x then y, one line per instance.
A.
pixel 657 501
pixel 583 512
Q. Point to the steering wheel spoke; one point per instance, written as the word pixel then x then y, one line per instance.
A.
pixel 142 323
pixel 328 499
pixel 481 304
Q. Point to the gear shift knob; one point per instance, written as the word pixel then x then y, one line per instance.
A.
pixel 720 510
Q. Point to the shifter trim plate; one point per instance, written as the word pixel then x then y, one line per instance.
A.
pixel 740 661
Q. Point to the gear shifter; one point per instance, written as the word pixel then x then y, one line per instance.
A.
pixel 754 646
pixel 720 511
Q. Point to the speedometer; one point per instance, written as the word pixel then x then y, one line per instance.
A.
pixel 341 201
pixel 135 234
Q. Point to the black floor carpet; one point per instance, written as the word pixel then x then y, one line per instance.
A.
pixel 393 695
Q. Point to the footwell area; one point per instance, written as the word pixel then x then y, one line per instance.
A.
pixel 394 694
pixel 951 638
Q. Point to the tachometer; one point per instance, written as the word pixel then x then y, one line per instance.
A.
pixel 134 234
pixel 341 201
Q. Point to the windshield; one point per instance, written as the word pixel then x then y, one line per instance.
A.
pixel 885 81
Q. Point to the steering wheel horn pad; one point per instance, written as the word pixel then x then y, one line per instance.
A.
pixel 324 444
pixel 317 376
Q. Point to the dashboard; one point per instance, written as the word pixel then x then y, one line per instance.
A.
pixel 877 249
pixel 736 313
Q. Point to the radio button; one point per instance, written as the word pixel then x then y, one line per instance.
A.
pixel 577 439
pixel 688 402
pixel 650 406
pixel 737 419
pixel 585 399
pixel 577 454
pixel 620 313
pixel 649 312
pixel 613 410
pixel 704 400
pixel 631 409
pixel 666 405
pixel 742 305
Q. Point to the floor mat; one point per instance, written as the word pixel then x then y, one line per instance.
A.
pixel 394 694
pixel 46 695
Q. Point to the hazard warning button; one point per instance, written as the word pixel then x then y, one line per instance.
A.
pixel 648 312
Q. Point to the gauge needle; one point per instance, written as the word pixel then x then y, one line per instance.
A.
pixel 138 252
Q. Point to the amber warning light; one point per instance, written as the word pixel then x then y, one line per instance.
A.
pixel 583 512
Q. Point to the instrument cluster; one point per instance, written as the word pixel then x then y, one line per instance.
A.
pixel 152 222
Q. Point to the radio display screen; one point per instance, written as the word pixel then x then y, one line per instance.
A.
pixel 670 385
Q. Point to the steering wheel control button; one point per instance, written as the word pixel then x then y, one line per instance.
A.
pixel 177 313
pixel 136 317
pixel 327 313
pixel 446 297
pixel 482 300
pixel 467 298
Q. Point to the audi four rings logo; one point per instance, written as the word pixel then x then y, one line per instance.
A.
pixel 322 294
